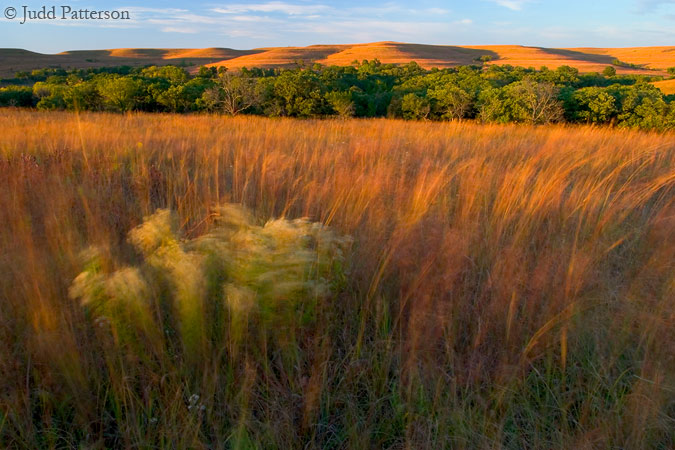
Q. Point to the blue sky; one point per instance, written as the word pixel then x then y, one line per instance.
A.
pixel 243 25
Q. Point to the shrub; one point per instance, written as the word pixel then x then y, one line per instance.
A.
pixel 16 96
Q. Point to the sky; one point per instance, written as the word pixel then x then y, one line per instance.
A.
pixel 246 25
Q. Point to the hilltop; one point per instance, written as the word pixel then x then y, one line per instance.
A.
pixel 645 60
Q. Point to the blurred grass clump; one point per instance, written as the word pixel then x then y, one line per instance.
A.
pixel 238 273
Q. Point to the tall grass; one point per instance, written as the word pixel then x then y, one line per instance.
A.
pixel 507 286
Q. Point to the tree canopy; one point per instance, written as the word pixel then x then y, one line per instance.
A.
pixel 365 89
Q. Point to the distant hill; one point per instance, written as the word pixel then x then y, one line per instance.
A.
pixel 666 86
pixel 14 60
pixel 646 60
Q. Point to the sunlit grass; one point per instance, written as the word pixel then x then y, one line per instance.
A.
pixel 507 286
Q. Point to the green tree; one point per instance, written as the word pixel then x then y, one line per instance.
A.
pixel 50 96
pixel 16 96
pixel 452 102
pixel 566 75
pixel 536 102
pixel 669 117
pixel 595 105
pixel 414 106
pixel 494 105
pixel 300 93
pixel 232 94
pixel 609 71
pixel 174 75
pixel 83 95
pixel 121 93
pixel 642 105
pixel 184 97
pixel 207 72
pixel 341 102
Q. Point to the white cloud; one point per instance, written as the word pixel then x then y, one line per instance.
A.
pixel 513 5
pixel 253 19
pixel 143 9
pixel 437 11
pixel 272 7
pixel 183 18
pixel 390 8
pixel 179 30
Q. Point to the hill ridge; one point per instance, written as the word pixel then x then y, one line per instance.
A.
pixel 647 60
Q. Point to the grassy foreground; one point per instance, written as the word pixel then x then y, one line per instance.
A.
pixel 505 286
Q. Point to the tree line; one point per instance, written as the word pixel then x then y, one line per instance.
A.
pixel 491 94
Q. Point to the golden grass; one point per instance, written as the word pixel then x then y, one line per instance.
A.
pixel 585 59
pixel 666 86
pixel 172 53
pixel 509 286
pixel 652 57
pixel 428 56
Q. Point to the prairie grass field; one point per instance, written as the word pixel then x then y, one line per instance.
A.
pixel 487 286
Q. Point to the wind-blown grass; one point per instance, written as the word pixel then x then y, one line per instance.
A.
pixel 507 286
pixel 270 275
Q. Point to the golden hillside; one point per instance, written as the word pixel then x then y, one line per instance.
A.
pixel 14 60
pixel 428 56
pixel 666 86
pixel 651 60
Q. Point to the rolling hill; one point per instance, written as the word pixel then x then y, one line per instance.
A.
pixel 14 60
pixel 666 86
pixel 646 60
